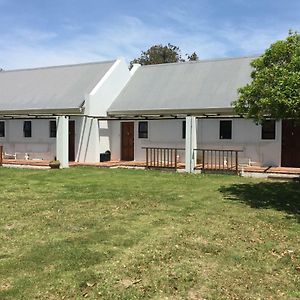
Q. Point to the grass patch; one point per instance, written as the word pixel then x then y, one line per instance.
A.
pixel 128 234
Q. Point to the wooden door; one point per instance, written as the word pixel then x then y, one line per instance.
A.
pixel 72 140
pixel 127 141
pixel 290 153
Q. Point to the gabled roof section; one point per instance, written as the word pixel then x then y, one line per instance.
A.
pixel 209 85
pixel 50 88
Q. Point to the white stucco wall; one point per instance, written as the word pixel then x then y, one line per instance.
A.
pixel 94 135
pixel 40 145
pixel 246 136
pixel 107 89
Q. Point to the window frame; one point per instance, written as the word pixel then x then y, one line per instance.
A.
pixel 143 134
pixel 183 130
pixel 27 131
pixel 4 129
pixel 267 134
pixel 52 132
pixel 221 129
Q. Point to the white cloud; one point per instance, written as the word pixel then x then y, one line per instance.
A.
pixel 126 36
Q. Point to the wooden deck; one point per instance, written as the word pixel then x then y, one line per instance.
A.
pixel 272 170
pixel 23 162
pixel 110 164
pixel 142 164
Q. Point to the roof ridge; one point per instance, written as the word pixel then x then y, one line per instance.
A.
pixel 200 61
pixel 58 66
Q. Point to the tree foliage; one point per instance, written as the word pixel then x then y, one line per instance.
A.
pixel 159 54
pixel 275 88
pixel 193 57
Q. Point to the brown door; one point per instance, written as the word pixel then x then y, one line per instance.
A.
pixel 127 141
pixel 290 154
pixel 71 140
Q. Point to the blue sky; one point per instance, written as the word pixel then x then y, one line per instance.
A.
pixel 43 32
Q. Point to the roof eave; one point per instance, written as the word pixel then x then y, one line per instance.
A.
pixel 168 112
pixel 60 111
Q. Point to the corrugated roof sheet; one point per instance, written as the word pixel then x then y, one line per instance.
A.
pixel 183 86
pixel 59 87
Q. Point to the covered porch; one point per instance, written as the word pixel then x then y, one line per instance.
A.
pixel 164 147
pixel 247 171
pixel 36 138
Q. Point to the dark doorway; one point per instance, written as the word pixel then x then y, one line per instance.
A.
pixel 127 141
pixel 72 140
pixel 290 153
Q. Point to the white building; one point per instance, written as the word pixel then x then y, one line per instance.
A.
pixel 204 89
pixel 106 107
pixel 48 112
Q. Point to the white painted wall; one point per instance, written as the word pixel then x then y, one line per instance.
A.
pixel 40 145
pixel 109 87
pixel 95 135
pixel 89 142
pixel 246 136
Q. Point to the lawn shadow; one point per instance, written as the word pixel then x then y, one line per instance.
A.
pixel 282 196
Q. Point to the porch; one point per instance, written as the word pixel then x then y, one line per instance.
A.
pixel 250 171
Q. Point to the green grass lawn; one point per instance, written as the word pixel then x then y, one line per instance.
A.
pixel 128 234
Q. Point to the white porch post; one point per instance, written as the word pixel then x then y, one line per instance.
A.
pixel 190 144
pixel 62 141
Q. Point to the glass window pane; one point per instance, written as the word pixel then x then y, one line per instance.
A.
pixel 2 129
pixel 143 130
pixel 268 131
pixel 225 130
pixel 27 128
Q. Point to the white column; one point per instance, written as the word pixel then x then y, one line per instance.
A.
pixel 190 144
pixel 62 141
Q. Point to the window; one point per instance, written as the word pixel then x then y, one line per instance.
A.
pixel 268 130
pixel 52 128
pixel 27 129
pixel 2 129
pixel 225 130
pixel 183 129
pixel 143 130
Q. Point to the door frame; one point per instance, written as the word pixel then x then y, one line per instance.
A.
pixel 71 142
pixel 122 141
pixel 289 140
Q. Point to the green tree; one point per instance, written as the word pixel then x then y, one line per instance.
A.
pixel 193 57
pixel 274 91
pixel 159 54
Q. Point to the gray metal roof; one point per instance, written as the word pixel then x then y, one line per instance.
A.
pixel 49 88
pixel 184 87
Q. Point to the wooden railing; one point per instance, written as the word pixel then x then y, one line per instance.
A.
pixel 218 160
pixel 162 157
pixel 215 160
pixel 1 155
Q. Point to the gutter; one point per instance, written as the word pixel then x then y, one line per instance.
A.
pixel 168 112
pixel 63 111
